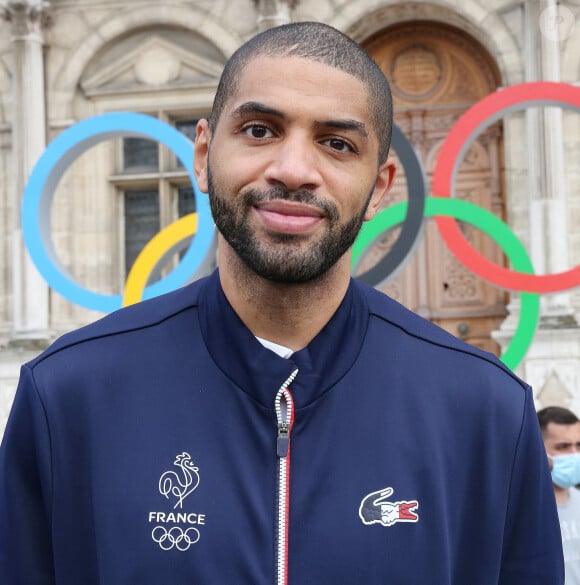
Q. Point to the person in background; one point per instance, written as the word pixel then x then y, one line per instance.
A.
pixel 561 431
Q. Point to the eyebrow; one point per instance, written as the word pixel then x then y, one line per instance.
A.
pixel 251 108
pixel 254 108
pixel 348 125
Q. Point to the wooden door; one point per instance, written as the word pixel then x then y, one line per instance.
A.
pixel 437 73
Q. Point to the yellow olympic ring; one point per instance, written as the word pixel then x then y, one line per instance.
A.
pixel 157 250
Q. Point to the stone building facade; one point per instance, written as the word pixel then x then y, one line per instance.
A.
pixel 62 61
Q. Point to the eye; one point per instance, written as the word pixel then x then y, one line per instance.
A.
pixel 339 145
pixel 258 131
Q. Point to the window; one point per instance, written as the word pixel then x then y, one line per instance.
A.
pixel 141 222
pixel 187 127
pixel 155 190
pixel 140 154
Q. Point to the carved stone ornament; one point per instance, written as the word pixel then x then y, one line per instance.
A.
pixel 154 63
pixel 272 5
pixel 273 13
pixel 554 391
pixel 26 16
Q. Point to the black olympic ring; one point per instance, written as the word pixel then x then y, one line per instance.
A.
pixel 412 229
pixel 175 536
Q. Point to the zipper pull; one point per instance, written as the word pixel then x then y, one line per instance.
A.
pixel 284 411
pixel 283 439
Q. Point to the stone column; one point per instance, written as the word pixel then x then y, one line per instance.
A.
pixel 557 309
pixel 30 292
pixel 273 13
pixel 552 364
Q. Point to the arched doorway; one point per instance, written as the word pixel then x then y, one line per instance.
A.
pixel 437 72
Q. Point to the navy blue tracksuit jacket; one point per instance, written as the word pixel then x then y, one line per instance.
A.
pixel 164 445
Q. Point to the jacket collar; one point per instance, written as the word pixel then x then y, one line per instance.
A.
pixel 260 372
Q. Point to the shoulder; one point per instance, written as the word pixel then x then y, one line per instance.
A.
pixel 429 341
pixel 139 317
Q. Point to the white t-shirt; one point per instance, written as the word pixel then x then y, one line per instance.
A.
pixel 569 515
pixel 281 350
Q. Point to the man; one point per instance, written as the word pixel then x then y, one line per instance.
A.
pixel 278 422
pixel 561 432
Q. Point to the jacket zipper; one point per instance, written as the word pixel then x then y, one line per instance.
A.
pixel 285 417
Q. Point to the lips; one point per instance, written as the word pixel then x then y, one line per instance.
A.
pixel 289 217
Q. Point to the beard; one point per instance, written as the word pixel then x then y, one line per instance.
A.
pixel 284 258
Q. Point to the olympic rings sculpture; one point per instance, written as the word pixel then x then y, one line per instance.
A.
pixel 198 227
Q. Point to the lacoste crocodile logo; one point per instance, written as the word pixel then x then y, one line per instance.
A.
pixel 374 509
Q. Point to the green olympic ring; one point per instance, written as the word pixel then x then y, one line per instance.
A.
pixel 490 225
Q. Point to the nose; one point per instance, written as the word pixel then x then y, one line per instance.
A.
pixel 294 163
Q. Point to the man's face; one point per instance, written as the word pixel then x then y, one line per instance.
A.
pixel 562 439
pixel 291 168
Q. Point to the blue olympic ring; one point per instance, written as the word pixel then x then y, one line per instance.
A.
pixel 39 195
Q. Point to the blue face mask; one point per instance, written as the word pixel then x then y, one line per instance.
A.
pixel 566 470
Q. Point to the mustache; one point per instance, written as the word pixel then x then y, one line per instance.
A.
pixel 254 196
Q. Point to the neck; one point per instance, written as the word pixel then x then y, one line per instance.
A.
pixel 562 494
pixel 288 314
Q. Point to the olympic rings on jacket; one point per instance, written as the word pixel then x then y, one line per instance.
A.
pixel 39 194
pixel 175 537
pixel 490 225
pixel 481 115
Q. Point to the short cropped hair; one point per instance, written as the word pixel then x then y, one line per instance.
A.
pixel 318 42
pixel 557 415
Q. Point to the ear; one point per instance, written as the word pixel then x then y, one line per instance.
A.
pixel 383 184
pixel 201 154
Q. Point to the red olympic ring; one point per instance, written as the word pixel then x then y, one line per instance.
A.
pixel 477 118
